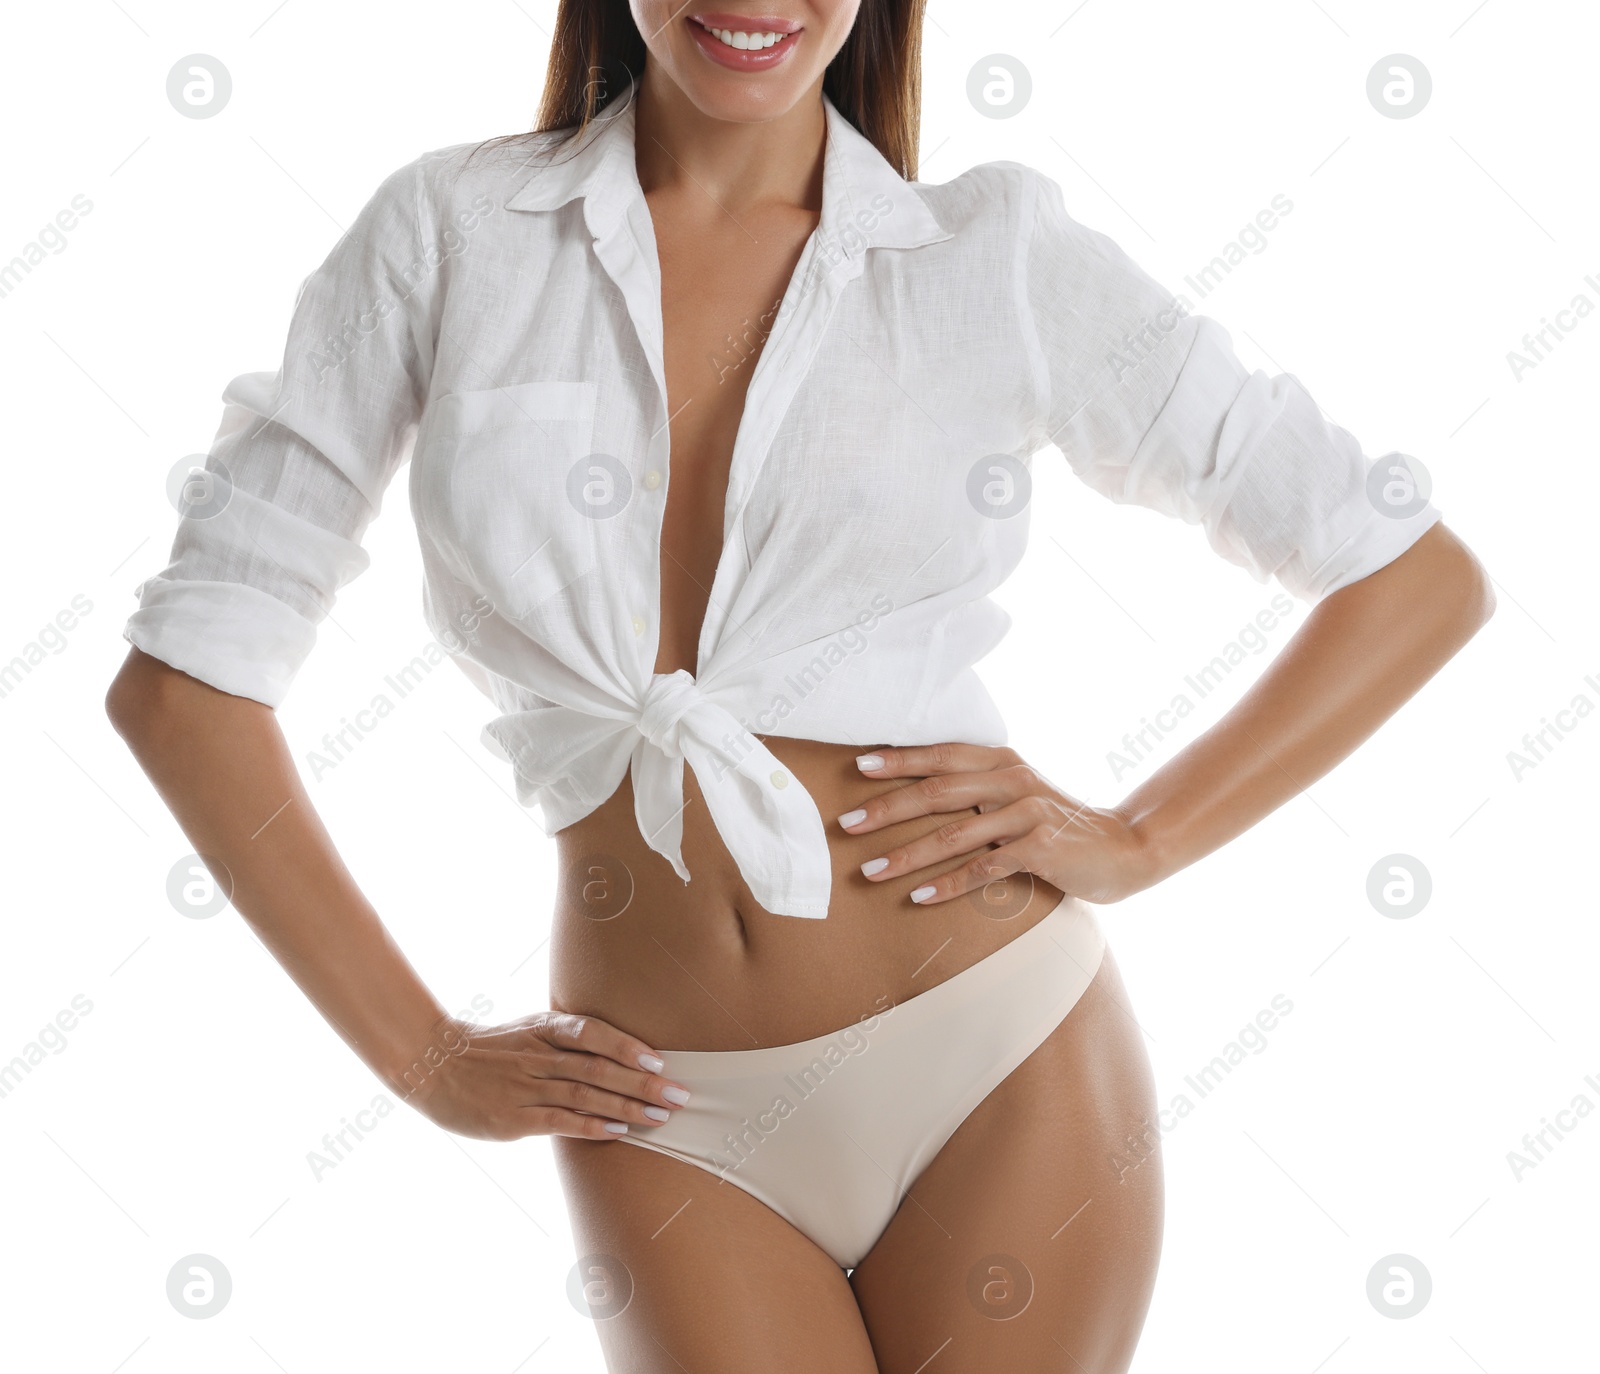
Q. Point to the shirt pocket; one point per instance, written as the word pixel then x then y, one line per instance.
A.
pixel 496 472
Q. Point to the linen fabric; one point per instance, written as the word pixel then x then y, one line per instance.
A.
pixel 497 321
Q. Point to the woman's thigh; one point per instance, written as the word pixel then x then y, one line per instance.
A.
pixel 719 1282
pixel 1032 1239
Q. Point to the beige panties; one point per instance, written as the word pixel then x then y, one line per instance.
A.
pixel 831 1132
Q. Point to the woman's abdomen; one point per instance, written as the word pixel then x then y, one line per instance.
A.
pixel 699 966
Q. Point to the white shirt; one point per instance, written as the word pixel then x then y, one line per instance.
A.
pixel 499 324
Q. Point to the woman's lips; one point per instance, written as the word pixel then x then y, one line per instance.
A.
pixel 744 59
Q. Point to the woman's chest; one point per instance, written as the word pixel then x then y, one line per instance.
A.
pixel 723 279
pixel 608 420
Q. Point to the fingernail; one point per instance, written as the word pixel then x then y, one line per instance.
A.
pixel 651 1063
pixel 853 817
pixel 874 866
pixel 657 1113
pixel 869 763
pixel 678 1095
pixel 921 894
pixel 617 1127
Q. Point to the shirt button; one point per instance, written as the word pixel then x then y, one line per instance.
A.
pixel 652 480
pixel 780 778
pixel 638 624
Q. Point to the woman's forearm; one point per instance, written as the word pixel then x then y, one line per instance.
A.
pixel 1361 653
pixel 222 766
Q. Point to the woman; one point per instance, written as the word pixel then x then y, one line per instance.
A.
pixel 843 961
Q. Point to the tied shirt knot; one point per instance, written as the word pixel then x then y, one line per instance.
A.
pixel 769 822
pixel 669 698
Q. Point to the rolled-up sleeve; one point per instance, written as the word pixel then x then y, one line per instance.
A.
pixel 270 529
pixel 1150 406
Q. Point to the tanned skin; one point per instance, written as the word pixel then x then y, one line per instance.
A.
pixel 731 166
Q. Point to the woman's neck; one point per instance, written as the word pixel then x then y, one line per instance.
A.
pixel 734 166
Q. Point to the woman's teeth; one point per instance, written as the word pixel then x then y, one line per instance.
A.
pixel 737 38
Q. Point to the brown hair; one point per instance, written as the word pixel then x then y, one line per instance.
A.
pixel 875 79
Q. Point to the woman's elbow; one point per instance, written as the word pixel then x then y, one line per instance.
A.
pixel 1464 581
pixel 1436 590
pixel 143 690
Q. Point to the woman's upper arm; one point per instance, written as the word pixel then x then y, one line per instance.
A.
pixel 1151 406
pixel 271 527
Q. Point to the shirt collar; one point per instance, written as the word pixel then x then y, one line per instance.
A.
pixel 865 202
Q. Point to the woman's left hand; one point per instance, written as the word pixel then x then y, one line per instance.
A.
pixel 1026 824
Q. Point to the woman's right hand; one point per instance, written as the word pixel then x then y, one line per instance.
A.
pixel 549 1073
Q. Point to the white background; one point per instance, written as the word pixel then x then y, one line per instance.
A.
pixel 179 1115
